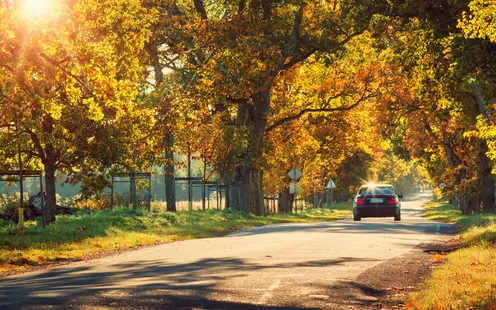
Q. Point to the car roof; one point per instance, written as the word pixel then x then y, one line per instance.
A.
pixel 376 185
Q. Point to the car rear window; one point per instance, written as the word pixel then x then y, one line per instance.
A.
pixel 376 191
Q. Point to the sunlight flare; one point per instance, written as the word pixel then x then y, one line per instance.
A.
pixel 37 8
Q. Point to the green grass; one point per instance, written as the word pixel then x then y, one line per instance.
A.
pixel 82 235
pixel 473 228
pixel 442 212
pixel 467 279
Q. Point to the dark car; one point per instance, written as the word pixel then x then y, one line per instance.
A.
pixel 377 200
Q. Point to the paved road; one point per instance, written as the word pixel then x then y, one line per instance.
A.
pixel 288 265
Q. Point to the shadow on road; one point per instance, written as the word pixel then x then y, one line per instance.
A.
pixel 174 285
pixel 369 226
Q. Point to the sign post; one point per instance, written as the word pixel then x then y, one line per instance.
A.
pixel 330 186
pixel 294 187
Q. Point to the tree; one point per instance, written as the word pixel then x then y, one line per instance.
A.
pixel 237 50
pixel 69 80
pixel 437 109
pixel 321 114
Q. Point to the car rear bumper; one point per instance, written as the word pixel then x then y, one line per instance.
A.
pixel 376 211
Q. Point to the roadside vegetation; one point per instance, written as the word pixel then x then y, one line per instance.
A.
pixel 88 234
pixel 467 279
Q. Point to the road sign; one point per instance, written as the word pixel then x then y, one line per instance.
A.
pixel 294 174
pixel 294 188
pixel 330 184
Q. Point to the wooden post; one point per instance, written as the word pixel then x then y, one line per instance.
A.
pixel 190 203
pixel 203 182
pixel 21 184
pixel 149 192
pixel 208 197
pixel 133 190
pixel 42 200
pixel 217 193
pixel 112 193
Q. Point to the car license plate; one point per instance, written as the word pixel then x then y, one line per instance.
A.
pixel 375 200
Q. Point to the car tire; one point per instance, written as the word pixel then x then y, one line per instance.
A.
pixel 397 218
pixel 356 218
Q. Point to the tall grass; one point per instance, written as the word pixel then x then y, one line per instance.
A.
pixel 87 233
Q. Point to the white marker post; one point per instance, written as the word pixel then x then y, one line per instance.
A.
pixel 330 186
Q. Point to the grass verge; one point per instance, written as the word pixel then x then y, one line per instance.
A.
pixel 467 279
pixel 90 234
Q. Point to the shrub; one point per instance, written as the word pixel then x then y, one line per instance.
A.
pixel 95 202
pixel 9 206
pixel 171 217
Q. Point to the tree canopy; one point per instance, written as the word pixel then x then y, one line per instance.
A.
pixel 341 89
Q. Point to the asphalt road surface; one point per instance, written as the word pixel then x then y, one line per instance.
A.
pixel 276 266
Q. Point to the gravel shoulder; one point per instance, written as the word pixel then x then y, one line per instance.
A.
pixel 387 285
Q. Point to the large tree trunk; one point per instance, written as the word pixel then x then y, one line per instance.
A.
pixel 254 117
pixel 286 201
pixel 468 205
pixel 485 163
pixel 169 178
pixel 227 180
pixel 256 193
pixel 487 180
pixel 50 181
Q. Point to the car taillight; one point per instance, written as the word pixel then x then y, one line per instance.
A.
pixel 360 201
pixel 392 201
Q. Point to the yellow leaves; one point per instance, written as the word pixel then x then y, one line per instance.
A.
pixel 54 109
pixel 94 111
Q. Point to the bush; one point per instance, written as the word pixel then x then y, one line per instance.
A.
pixel 95 202
pixel 171 217
pixel 9 206
pixel 4 223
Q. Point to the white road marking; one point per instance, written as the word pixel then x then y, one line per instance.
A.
pixel 268 294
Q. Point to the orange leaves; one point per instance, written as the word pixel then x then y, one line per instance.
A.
pixel 437 258
pixel 409 304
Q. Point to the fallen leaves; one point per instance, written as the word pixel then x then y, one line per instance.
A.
pixel 81 229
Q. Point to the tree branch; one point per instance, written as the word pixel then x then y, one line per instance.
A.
pixel 295 36
pixel 297 60
pixel 200 8
pixel 37 144
pixel 284 120
pixel 310 110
